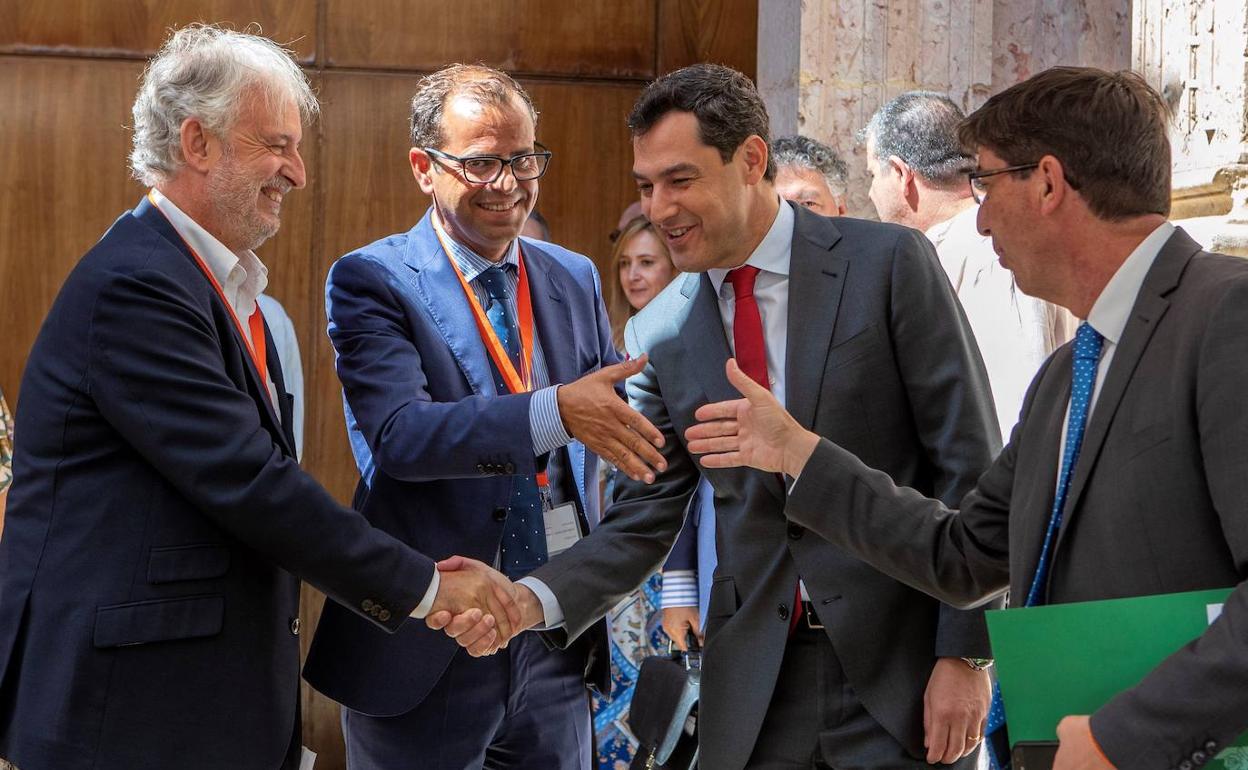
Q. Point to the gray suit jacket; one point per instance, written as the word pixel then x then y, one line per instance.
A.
pixel 881 359
pixel 1158 503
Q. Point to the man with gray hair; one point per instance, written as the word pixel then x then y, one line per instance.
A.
pixel 810 173
pixel 918 178
pixel 149 593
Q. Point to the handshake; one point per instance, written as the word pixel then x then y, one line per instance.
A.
pixel 480 608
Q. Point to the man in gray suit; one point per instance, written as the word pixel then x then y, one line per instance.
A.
pixel 855 326
pixel 1126 475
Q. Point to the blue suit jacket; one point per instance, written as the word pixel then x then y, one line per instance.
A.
pixel 147 603
pixel 438 448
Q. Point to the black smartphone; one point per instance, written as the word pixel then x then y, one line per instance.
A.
pixel 1034 755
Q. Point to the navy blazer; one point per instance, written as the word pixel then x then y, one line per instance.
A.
pixel 148 599
pixel 437 446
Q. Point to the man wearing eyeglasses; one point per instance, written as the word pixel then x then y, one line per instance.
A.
pixel 470 359
pixel 918 174
pixel 1125 476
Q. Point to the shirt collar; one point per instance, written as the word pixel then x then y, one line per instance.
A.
pixel 242 274
pixel 470 263
pixel 774 252
pixel 1112 308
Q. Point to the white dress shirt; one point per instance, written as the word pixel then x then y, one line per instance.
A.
pixel 1014 331
pixel 771 291
pixel 241 275
pixel 1112 310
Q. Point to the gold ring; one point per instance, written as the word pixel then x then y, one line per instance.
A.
pixel 973 738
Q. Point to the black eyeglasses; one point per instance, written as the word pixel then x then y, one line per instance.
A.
pixel 979 189
pixel 486 169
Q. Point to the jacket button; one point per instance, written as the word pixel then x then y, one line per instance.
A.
pixel 294 626
pixel 796 532
pixel 1186 765
pixel 480 467
pixel 383 616
pixel 500 514
pixel 509 469
pixel 1211 746
pixel 367 605
pixel 1199 757
pixel 783 611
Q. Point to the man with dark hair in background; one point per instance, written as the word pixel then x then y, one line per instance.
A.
pixel 1125 476
pixel 812 658
pixel 918 178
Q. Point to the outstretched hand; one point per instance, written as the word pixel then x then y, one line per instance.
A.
pixel 754 431
pixel 596 416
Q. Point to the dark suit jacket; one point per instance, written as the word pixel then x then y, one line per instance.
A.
pixel 880 358
pixel 438 447
pixel 147 601
pixel 1156 504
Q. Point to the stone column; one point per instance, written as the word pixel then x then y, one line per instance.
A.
pixel 1194 52
pixel 824 66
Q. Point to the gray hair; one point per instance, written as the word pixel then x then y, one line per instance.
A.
pixel 203 71
pixel 484 85
pixel 804 152
pixel 921 128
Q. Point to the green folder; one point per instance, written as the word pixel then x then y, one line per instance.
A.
pixel 1063 659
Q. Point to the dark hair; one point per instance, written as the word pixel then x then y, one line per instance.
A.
pixel 804 152
pixel 921 128
pixel 724 101
pixel 483 84
pixel 1108 129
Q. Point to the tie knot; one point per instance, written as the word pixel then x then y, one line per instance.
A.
pixel 495 281
pixel 742 280
pixel 1088 342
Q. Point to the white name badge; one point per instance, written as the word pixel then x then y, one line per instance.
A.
pixel 563 528
pixel 307 759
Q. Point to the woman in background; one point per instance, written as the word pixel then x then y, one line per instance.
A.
pixel 640 269
pixel 6 458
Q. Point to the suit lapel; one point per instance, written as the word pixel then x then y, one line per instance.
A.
pixel 440 291
pixel 1147 312
pixel 151 216
pixel 1036 484
pixel 702 335
pixel 273 360
pixel 816 281
pixel 551 314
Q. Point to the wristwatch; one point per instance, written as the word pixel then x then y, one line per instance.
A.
pixel 979 664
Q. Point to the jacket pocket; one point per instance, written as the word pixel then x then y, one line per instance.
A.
pixel 161 620
pixel 187 562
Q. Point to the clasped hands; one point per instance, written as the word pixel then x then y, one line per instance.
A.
pixel 480 608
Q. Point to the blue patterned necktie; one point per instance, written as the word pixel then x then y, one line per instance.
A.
pixel 1087 357
pixel 523 548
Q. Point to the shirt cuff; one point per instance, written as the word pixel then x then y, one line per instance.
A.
pixel 552 613
pixel 426 603
pixel 680 589
pixel 545 424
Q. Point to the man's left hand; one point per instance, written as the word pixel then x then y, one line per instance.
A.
pixel 1077 749
pixel 955 710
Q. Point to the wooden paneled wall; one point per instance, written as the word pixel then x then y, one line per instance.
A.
pixel 69 70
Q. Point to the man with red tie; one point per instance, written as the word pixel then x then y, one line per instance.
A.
pixel 813 658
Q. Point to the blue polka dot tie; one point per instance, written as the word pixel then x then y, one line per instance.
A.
pixel 1087 357
pixel 523 548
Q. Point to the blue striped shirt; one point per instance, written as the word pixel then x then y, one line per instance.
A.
pixel 545 424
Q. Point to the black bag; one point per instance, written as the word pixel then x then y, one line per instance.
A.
pixel 664 713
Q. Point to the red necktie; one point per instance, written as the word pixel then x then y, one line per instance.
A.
pixel 751 353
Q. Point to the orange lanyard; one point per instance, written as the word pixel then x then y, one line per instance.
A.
pixel 256 347
pixel 517 382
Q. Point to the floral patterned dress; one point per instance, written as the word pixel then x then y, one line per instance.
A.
pixel 6 445
pixel 636 632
